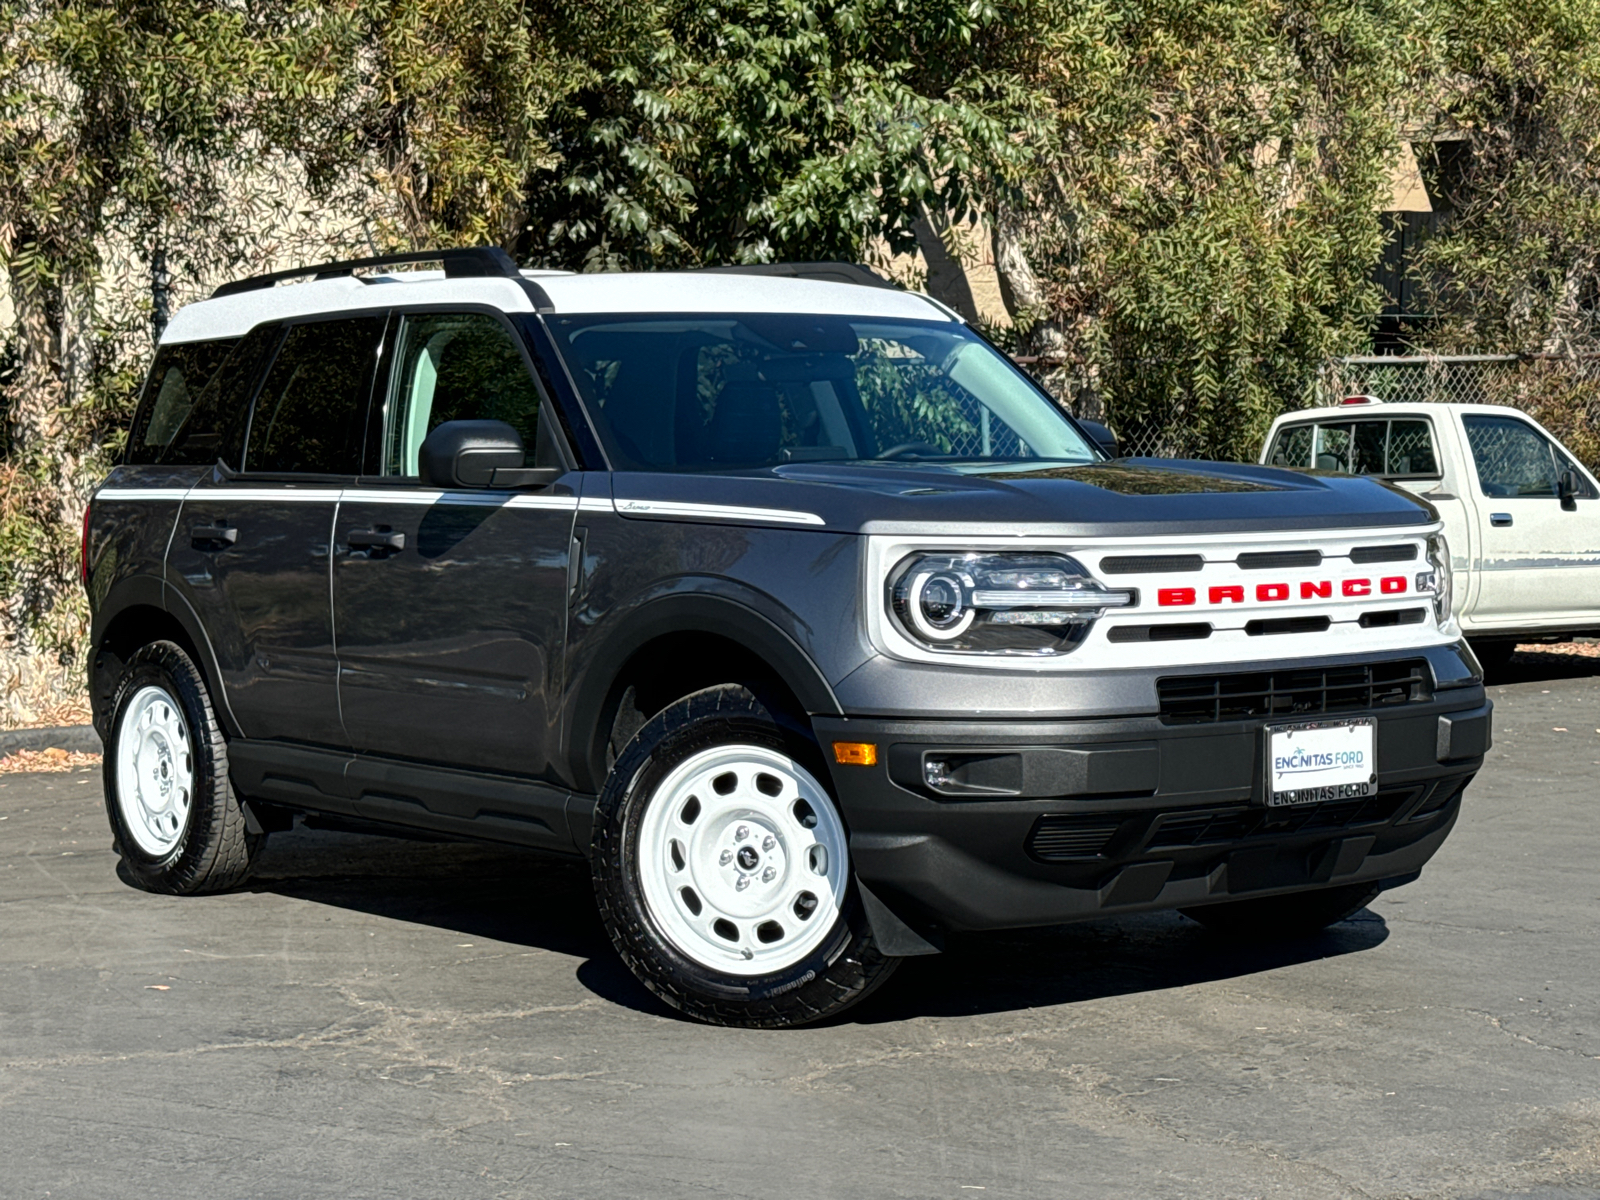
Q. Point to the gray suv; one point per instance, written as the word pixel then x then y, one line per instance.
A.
pixel 777 593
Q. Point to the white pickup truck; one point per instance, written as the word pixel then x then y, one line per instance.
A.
pixel 1521 514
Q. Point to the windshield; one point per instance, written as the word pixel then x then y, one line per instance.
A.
pixel 721 392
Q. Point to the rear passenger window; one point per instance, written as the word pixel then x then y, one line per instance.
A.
pixel 454 367
pixel 311 409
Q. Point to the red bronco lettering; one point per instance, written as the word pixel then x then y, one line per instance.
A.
pixel 1271 593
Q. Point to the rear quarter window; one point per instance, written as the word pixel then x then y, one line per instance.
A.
pixel 196 400
pixel 177 379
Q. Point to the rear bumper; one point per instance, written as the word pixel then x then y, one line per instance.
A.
pixel 1085 818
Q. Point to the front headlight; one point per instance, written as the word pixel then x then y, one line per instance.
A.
pixel 1036 604
pixel 1437 579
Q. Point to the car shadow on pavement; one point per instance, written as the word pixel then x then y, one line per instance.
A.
pixel 527 899
pixel 1093 960
pixel 1540 666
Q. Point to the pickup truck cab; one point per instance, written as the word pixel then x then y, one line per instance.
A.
pixel 1521 515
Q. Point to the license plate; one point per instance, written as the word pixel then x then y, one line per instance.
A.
pixel 1314 761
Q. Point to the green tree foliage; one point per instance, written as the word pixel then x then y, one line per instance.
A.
pixel 1202 221
pixel 114 120
pixel 756 130
pixel 1516 267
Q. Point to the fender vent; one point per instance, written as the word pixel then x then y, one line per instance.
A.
pixel 1205 699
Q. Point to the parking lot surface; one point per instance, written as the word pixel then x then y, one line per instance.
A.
pixel 376 1018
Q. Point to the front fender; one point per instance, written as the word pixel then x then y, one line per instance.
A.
pixel 689 604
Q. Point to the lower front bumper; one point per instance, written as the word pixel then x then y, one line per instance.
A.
pixel 1045 823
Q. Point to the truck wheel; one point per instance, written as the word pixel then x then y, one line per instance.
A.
pixel 1297 915
pixel 722 871
pixel 177 823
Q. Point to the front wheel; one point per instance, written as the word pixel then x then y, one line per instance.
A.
pixel 722 870
pixel 177 822
pixel 1299 914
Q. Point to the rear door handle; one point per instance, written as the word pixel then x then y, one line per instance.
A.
pixel 1500 520
pixel 212 537
pixel 378 543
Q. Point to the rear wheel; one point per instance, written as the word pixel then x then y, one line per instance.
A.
pixel 721 867
pixel 177 823
pixel 1296 915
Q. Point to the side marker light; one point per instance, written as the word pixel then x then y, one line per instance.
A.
pixel 856 754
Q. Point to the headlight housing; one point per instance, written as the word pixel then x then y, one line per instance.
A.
pixel 1438 578
pixel 1029 604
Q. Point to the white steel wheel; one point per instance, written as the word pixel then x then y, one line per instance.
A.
pixel 742 860
pixel 155 770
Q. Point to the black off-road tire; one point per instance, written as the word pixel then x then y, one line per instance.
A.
pixel 843 970
pixel 1298 914
pixel 215 850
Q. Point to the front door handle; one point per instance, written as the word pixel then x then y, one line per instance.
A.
pixel 212 537
pixel 378 543
pixel 1500 520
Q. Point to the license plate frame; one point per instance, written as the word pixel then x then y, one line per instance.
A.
pixel 1341 785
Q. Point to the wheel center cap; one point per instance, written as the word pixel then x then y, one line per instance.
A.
pixel 748 858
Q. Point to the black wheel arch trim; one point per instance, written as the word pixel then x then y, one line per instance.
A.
pixel 150 591
pixel 697 612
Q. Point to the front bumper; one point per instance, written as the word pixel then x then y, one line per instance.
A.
pixel 1042 823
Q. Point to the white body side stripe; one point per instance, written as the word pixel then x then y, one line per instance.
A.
pixel 731 512
pixel 140 494
pixel 432 496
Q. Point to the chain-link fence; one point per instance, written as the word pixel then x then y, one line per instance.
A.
pixel 1454 379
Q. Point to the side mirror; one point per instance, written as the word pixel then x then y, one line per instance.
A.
pixel 1569 489
pixel 479 454
pixel 1101 436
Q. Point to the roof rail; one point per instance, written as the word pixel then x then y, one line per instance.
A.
pixel 827 272
pixel 458 263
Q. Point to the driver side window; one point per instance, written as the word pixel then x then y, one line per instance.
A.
pixel 454 367
pixel 1513 459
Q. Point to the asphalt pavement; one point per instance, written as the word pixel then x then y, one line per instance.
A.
pixel 387 1018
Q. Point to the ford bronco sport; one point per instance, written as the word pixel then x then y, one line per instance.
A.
pixel 779 594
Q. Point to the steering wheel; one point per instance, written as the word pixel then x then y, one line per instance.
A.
pixel 904 449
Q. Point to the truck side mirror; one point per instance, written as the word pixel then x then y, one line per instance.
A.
pixel 1101 436
pixel 479 454
pixel 1569 489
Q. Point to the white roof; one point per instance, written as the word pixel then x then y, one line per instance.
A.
pixel 633 292
pixel 1399 408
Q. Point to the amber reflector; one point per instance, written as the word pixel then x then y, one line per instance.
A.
pixel 856 754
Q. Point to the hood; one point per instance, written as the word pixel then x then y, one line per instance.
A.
pixel 1134 497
